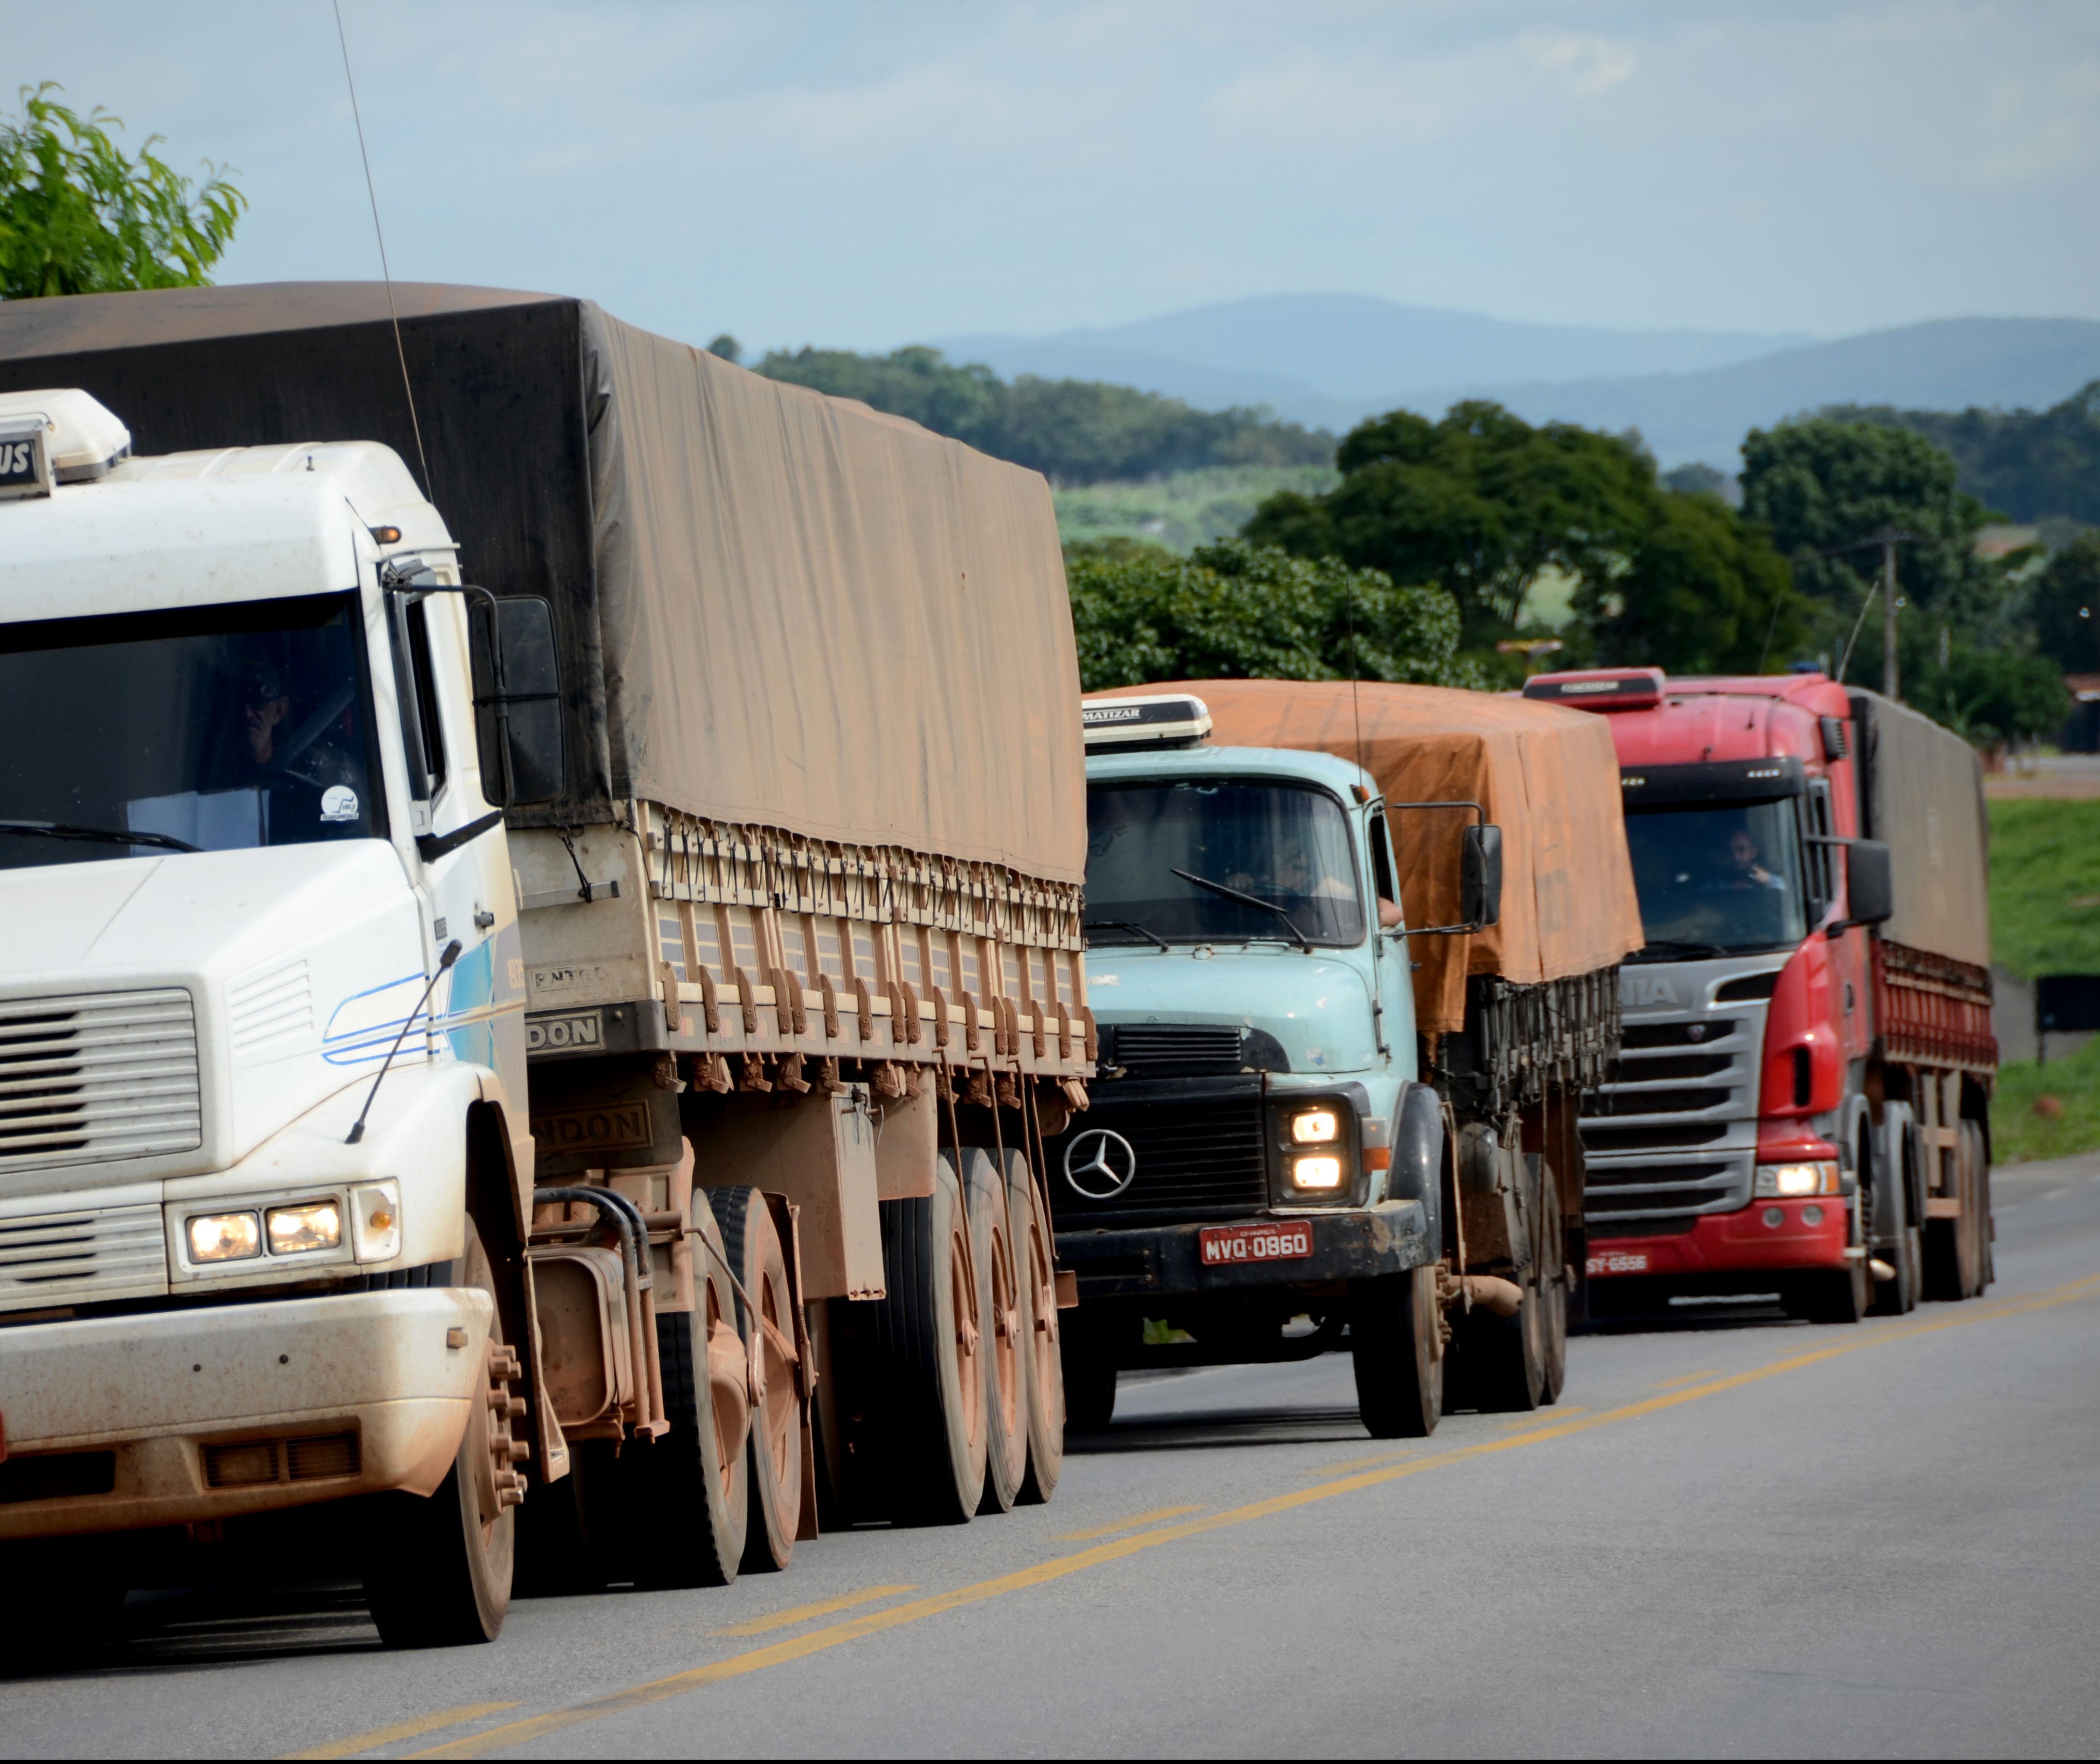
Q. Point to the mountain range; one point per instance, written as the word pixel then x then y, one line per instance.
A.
pixel 1328 360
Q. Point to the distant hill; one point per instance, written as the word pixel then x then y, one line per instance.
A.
pixel 1351 348
pixel 1328 360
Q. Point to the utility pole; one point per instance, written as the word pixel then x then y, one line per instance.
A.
pixel 1891 687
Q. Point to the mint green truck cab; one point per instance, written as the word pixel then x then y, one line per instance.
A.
pixel 1262 1165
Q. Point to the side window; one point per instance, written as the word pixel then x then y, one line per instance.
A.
pixel 1382 859
pixel 1822 860
pixel 427 696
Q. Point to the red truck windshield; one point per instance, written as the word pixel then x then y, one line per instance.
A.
pixel 207 729
pixel 1718 880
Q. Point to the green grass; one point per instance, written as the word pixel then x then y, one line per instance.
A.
pixel 1182 509
pixel 2045 887
pixel 2019 1136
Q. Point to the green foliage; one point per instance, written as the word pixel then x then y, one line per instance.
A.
pixel 2019 1136
pixel 77 217
pixel 1480 502
pixel 1073 431
pixel 2030 464
pixel 2064 607
pixel 727 347
pixel 1703 592
pixel 1985 695
pixel 1181 509
pixel 2045 887
pixel 1235 611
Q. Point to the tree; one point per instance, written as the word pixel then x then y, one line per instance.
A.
pixel 727 347
pixel 1481 502
pixel 2065 606
pixel 78 216
pixel 1988 695
pixel 1235 611
pixel 1703 592
pixel 1073 431
pixel 2032 464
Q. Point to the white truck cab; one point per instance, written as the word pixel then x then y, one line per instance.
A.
pixel 247 859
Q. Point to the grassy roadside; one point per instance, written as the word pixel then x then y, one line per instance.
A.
pixel 1182 509
pixel 2045 918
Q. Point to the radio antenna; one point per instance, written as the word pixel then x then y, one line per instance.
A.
pixel 1356 712
pixel 386 274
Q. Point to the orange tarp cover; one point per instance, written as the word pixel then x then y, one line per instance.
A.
pixel 1547 776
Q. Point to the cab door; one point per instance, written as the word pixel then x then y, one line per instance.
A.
pixel 1395 976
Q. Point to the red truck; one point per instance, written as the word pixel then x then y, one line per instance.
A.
pixel 1801 1103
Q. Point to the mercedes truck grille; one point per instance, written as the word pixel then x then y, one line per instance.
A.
pixel 1183 1050
pixel 1674 1134
pixel 82 1257
pixel 1206 1160
pixel 90 1077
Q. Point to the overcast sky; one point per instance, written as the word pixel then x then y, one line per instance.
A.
pixel 866 175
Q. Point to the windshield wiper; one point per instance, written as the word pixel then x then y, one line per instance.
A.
pixel 100 834
pixel 1247 900
pixel 1658 949
pixel 1128 925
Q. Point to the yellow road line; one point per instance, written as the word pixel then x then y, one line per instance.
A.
pixel 1356 1463
pixel 395 1731
pixel 1689 1378
pixel 1527 1421
pixel 838 1634
pixel 802 1613
pixel 1132 1524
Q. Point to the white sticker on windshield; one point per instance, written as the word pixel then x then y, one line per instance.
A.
pixel 338 803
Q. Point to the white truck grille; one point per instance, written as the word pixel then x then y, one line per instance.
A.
pixel 66 1259
pixel 89 1077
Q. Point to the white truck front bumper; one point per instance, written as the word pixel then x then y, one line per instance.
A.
pixel 118 1423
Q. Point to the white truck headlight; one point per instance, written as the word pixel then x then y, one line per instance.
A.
pixel 1792 1181
pixel 1316 1127
pixel 298 1230
pixel 1323 1172
pixel 224 1237
pixel 375 1221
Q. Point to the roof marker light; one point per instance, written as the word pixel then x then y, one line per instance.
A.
pixel 1617 689
pixel 1139 724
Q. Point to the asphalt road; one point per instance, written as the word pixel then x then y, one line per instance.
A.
pixel 1736 1535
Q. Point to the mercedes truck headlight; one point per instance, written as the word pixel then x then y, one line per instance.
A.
pixel 224 1237
pixel 298 1230
pixel 1792 1181
pixel 1316 1127
pixel 1323 1173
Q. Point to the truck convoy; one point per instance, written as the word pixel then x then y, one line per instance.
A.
pixel 1802 1098
pixel 542 943
pixel 1355 961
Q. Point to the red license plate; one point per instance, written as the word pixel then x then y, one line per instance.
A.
pixel 1226 1243
pixel 1619 1262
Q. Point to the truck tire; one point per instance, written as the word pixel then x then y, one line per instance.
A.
pixel 926 1347
pixel 437 1572
pixel 1980 1221
pixel 696 1479
pixel 1954 1247
pixel 1032 1264
pixel 1394 1322
pixel 1897 1232
pixel 1093 1339
pixel 1842 1295
pixel 1553 1284
pixel 752 1248
pixel 1005 1363
pixel 569 1540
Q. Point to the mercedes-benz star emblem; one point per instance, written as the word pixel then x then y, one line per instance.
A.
pixel 1099 1164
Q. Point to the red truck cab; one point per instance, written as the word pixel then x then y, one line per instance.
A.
pixel 1749 1109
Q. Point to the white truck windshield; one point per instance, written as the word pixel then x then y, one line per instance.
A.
pixel 1280 845
pixel 1718 880
pixel 207 729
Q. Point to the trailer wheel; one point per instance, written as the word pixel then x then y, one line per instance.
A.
pixel 1981 1223
pixel 1898 1296
pixel 438 1572
pixel 1005 1363
pixel 1954 1248
pixel 752 1246
pixel 1553 1284
pixel 926 1349
pixel 1394 1322
pixel 695 1479
pixel 1040 1333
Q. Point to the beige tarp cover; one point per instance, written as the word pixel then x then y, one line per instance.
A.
pixel 818 617
pixel 1548 777
pixel 1924 790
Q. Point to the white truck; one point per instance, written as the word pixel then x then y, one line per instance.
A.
pixel 582 1029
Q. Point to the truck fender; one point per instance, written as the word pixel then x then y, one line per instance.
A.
pixel 1417 1158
